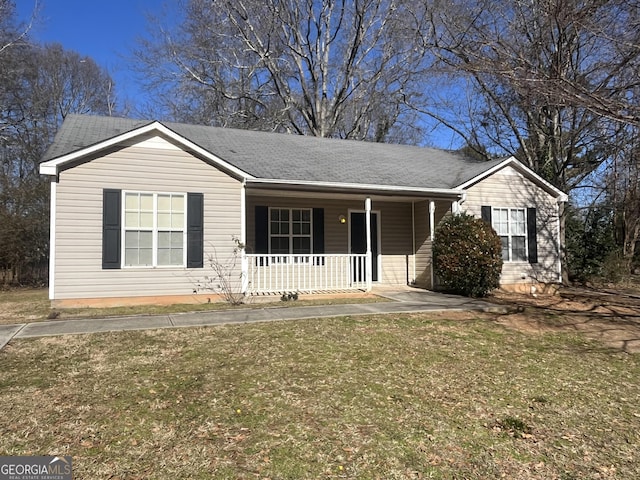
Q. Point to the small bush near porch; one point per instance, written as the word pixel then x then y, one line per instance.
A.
pixel 394 397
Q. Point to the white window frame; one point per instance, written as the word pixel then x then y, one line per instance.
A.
pixel 155 230
pixel 291 235
pixel 510 234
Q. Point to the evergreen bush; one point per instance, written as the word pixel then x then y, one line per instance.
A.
pixel 467 256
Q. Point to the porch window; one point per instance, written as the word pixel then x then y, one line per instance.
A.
pixel 290 231
pixel 154 229
pixel 511 226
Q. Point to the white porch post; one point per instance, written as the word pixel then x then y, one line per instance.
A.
pixel 413 241
pixel 432 234
pixel 244 263
pixel 455 207
pixel 368 262
pixel 432 219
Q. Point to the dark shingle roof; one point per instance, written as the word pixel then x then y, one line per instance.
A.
pixel 293 157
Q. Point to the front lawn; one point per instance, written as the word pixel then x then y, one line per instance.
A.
pixel 26 305
pixel 397 396
pixel 22 305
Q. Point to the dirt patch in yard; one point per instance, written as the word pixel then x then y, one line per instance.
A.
pixel 611 316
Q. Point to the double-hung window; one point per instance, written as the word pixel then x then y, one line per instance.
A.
pixel 154 229
pixel 290 231
pixel 511 226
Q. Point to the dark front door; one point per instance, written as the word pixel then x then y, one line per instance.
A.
pixel 359 239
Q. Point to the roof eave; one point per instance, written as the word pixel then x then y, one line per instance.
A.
pixel 53 166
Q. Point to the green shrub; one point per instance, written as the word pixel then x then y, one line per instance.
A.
pixel 467 256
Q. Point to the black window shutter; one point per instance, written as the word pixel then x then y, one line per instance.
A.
pixel 262 229
pixel 532 235
pixel 485 213
pixel 318 230
pixel 195 230
pixel 111 228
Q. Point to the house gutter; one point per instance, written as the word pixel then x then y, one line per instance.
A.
pixel 396 190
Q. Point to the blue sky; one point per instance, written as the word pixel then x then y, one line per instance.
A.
pixel 104 30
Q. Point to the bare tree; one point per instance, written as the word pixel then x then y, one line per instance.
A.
pixel 518 58
pixel 623 191
pixel 39 87
pixel 10 34
pixel 544 79
pixel 328 68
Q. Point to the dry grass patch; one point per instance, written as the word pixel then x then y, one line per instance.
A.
pixel 24 305
pixel 397 396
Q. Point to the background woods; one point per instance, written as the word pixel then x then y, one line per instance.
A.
pixel 552 82
pixel 39 86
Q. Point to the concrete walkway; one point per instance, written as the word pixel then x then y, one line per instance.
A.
pixel 404 300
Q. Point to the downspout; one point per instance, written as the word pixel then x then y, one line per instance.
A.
pixel 368 261
pixel 455 206
pixel 52 237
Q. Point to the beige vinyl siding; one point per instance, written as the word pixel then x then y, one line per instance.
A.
pixel 153 165
pixel 395 248
pixel 423 239
pixel 396 243
pixel 507 188
pixel 423 244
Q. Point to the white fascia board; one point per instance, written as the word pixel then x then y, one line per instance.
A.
pixel 388 189
pixel 513 161
pixel 52 167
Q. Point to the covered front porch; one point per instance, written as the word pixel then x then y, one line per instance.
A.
pixel 280 274
pixel 325 240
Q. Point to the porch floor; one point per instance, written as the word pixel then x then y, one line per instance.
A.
pixel 396 293
pixel 307 295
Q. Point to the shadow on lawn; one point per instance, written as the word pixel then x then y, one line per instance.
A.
pixel 612 318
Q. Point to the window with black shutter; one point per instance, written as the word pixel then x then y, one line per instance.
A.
pixel 146 229
pixel 517 230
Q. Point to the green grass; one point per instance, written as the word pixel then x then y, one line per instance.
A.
pixel 397 396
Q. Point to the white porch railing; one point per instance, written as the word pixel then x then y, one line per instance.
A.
pixel 305 273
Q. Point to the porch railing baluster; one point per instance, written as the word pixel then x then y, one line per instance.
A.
pixel 304 273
